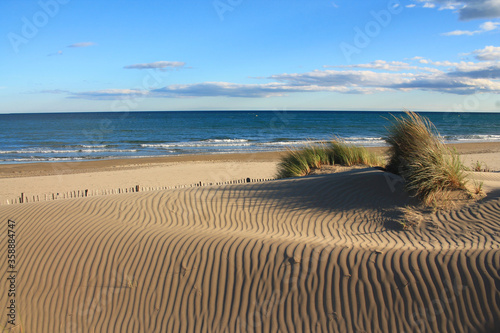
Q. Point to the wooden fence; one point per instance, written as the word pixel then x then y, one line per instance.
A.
pixel 26 198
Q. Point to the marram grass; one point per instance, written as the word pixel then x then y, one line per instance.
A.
pixel 301 162
pixel 349 155
pixel 416 153
pixel 431 170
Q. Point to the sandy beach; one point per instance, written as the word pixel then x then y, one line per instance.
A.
pixel 105 176
pixel 313 254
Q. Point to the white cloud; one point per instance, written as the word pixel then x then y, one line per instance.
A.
pixel 489 71
pixel 162 65
pixel 380 64
pixel 489 53
pixel 467 9
pixel 449 6
pixel 395 66
pixel 418 73
pixel 345 78
pixel 485 27
pixel 410 5
pixel 227 89
pixel 83 44
pixel 489 26
pixel 461 33
pixel 109 94
pixel 445 63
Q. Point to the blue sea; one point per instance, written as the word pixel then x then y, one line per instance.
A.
pixel 48 137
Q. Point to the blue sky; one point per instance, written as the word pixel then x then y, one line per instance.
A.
pixel 73 55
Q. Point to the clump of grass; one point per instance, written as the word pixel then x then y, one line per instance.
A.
pixel 422 159
pixel 316 156
pixel 480 167
pixel 302 162
pixel 349 155
pixel 294 164
pixel 478 189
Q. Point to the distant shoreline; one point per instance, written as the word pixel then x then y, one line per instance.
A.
pixel 53 168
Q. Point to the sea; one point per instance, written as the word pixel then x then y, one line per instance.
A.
pixel 55 137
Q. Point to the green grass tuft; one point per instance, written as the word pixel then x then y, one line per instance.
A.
pixel 349 155
pixel 302 162
pixel 422 159
pixel 479 167
pixel 294 164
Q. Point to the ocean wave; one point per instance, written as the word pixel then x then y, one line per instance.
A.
pixel 353 140
pixel 367 139
pixel 225 140
pixel 66 151
pixel 93 146
pixel 289 143
pixel 203 143
pixel 472 138
pixel 48 159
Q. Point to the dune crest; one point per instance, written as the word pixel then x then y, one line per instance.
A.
pixel 311 254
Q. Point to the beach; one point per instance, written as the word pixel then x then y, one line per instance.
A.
pixel 45 179
pixel 199 248
pixel 250 166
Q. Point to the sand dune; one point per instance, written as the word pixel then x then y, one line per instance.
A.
pixel 312 254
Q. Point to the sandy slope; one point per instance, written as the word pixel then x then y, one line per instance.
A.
pixel 313 254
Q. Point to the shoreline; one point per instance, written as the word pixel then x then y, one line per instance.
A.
pixel 482 150
pixel 64 179
pixel 55 168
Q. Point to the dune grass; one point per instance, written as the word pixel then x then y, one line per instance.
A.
pixel 302 162
pixel 349 155
pixel 416 153
pixel 432 171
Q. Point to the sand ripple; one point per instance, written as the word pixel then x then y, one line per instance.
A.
pixel 313 254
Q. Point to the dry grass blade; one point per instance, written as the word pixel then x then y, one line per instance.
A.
pixel 302 162
pixel 422 159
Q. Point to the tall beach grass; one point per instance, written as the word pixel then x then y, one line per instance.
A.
pixel 417 153
pixel 433 172
pixel 301 162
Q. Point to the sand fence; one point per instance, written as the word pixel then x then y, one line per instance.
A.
pixel 27 197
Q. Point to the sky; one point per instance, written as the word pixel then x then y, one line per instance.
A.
pixel 77 56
